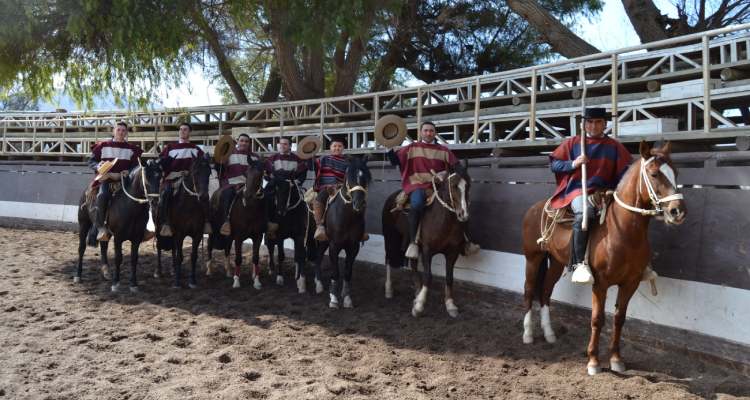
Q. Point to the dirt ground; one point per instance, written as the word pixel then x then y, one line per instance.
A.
pixel 62 340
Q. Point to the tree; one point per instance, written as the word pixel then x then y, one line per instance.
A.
pixel 14 99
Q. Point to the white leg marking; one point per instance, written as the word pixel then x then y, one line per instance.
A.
pixel 419 302
pixel 528 328
pixel 451 307
pixel 549 334
pixel 209 268
pixel 115 287
pixel 236 283
pixel 318 286
pixel 256 283
pixel 76 279
pixel 348 302
pixel 279 280
pixel 334 302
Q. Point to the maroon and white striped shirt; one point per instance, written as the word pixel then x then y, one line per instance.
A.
pixel 126 154
pixel 178 157
pixel 233 172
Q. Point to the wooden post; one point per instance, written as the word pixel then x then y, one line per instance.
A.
pixel 5 133
pixel 706 87
pixel 322 119
pixel 477 95
pixel 532 107
pixel 584 177
pixel 614 96
pixel 419 109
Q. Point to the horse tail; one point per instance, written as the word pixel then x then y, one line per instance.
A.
pixel 394 250
pixel 540 277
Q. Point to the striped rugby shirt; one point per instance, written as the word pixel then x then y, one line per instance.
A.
pixel 126 154
pixel 286 166
pixel 418 159
pixel 330 171
pixel 607 162
pixel 178 157
pixel 233 172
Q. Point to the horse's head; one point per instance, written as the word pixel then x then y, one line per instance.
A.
pixel 453 188
pixel 152 173
pixel 357 180
pixel 253 179
pixel 283 189
pixel 200 171
pixel 660 178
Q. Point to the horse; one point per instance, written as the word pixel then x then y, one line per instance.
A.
pixel 295 222
pixel 127 217
pixel 345 226
pixel 442 232
pixel 247 217
pixel 618 250
pixel 186 217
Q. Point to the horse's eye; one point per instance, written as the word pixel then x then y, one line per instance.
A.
pixel 654 174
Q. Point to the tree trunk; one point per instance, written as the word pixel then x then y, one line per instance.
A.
pixel 407 19
pixel 212 37
pixel 647 20
pixel 557 35
pixel 273 86
pixel 347 67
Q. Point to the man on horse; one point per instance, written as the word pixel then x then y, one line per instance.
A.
pixel 417 162
pixel 127 156
pixel 606 161
pixel 232 177
pixel 330 172
pixel 282 165
pixel 176 160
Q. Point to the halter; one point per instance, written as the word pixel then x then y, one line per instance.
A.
pixel 655 200
pixel 450 192
pixel 349 190
pixel 145 190
pixel 289 196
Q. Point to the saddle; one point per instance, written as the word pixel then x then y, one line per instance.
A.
pixel 551 217
pixel 402 200
pixel 93 190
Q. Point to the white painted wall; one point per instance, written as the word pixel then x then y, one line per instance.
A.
pixel 700 307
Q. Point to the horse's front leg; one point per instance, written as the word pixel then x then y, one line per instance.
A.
pixel 421 299
pixel 333 255
pixel 255 269
pixel 157 271
pixel 237 262
pixel 450 305
pixel 346 291
pixel 83 231
pixel 134 246
pixel 624 294
pixel 320 250
pixel 598 298
pixel 118 262
pixel 104 262
pixel 196 245
pixel 300 259
pixel 177 260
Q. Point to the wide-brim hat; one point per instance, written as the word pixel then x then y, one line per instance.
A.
pixel 390 130
pixel 308 147
pixel 104 168
pixel 595 113
pixel 223 148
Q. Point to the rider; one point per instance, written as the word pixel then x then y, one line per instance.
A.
pixel 176 160
pixel 282 165
pixel 330 174
pixel 127 158
pixel 232 177
pixel 606 161
pixel 417 161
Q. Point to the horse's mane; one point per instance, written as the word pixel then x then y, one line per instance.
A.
pixel 656 152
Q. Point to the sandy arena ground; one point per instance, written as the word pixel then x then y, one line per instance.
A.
pixel 62 340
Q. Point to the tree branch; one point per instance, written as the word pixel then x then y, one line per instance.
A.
pixel 647 20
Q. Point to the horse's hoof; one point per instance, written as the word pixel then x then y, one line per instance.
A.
pixel 115 288
pixel 319 287
pixel 453 312
pixel 415 313
pixel 528 339
pixel 301 287
pixel 334 303
pixel 550 338
pixel 76 279
pixel 279 280
pixel 593 369
pixel 193 285
pixel 134 289
pixel 105 272
pixel 450 306
pixel 617 366
pixel 348 302
pixel 256 284
pixel 236 283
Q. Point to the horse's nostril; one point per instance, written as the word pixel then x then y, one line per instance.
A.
pixel 675 212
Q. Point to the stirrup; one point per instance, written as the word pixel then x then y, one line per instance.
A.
pixel 649 274
pixel 413 251
pixel 582 274
pixel 165 231
pixel 226 229
pixel 320 234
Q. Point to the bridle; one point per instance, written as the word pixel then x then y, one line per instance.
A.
pixel 436 193
pixel 654 197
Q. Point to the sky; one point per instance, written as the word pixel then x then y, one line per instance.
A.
pixel 609 30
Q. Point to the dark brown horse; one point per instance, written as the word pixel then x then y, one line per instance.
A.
pixel 345 226
pixel 187 216
pixel 247 217
pixel 442 232
pixel 127 216
pixel 619 249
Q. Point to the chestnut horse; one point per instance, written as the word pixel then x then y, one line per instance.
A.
pixel 618 250
pixel 442 232
pixel 247 217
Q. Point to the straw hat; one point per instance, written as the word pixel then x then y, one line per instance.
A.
pixel 223 148
pixel 390 130
pixel 308 147
pixel 104 168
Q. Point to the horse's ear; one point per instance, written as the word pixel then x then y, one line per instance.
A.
pixel 366 158
pixel 667 148
pixel 645 150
